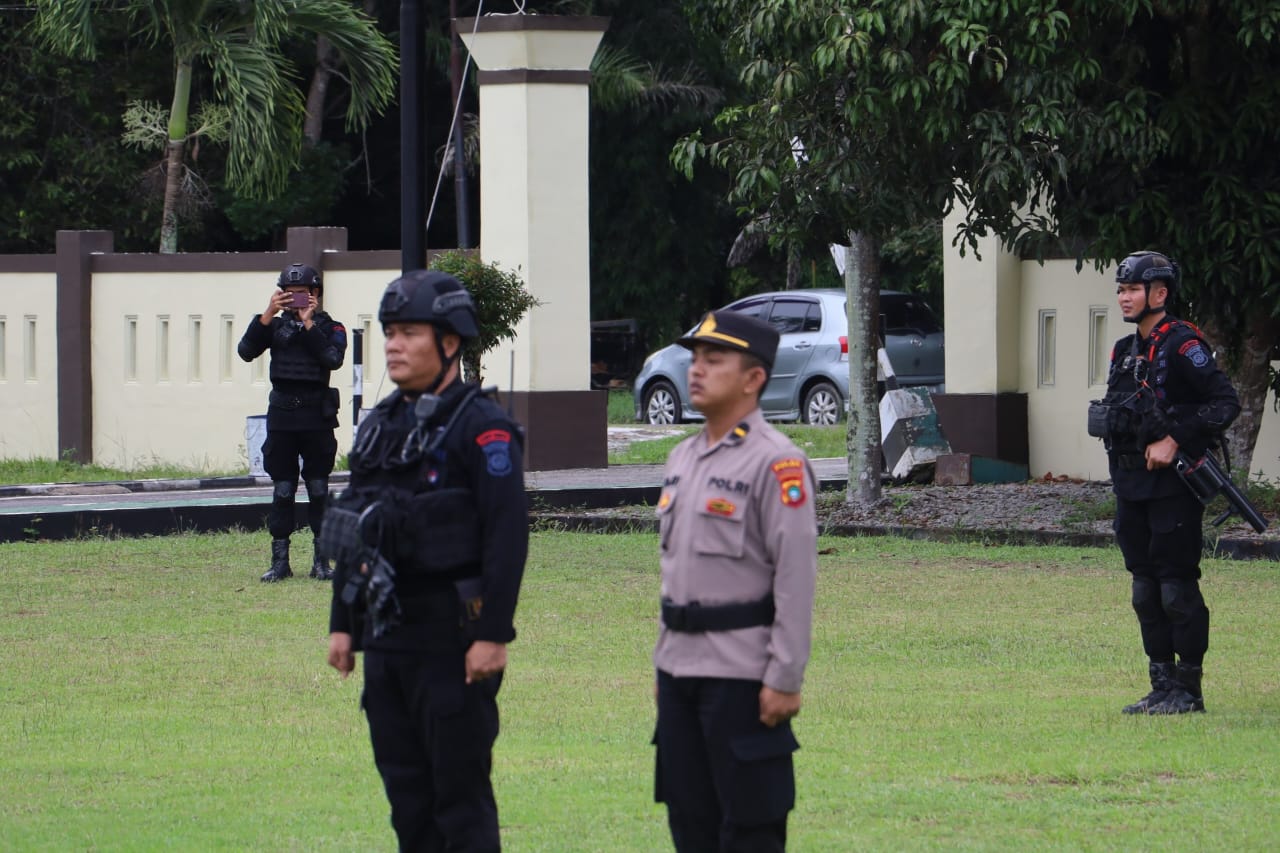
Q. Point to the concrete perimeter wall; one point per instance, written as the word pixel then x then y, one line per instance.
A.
pixel 1056 354
pixel 164 381
pixel 29 359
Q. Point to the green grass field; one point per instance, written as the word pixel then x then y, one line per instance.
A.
pixel 156 696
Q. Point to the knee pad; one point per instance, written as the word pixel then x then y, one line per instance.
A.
pixel 318 489
pixel 1180 599
pixel 1146 599
pixel 284 490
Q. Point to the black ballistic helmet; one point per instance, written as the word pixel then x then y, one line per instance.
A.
pixel 296 274
pixel 1146 267
pixel 430 296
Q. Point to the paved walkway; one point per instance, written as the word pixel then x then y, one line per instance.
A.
pixel 158 507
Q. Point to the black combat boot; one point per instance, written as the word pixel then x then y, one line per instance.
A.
pixel 319 565
pixel 1185 696
pixel 279 562
pixel 1162 674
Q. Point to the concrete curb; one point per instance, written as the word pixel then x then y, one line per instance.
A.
pixel 1235 549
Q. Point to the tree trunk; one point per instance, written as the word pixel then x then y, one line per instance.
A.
pixel 1250 375
pixel 793 266
pixel 174 151
pixel 862 288
pixel 326 63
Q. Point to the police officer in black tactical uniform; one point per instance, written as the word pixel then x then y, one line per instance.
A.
pixel 1164 394
pixel 302 412
pixel 437 520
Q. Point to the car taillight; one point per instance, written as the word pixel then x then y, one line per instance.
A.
pixel 844 344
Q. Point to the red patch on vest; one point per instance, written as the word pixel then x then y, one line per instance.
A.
pixel 493 435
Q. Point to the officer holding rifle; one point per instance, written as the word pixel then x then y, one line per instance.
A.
pixel 1167 404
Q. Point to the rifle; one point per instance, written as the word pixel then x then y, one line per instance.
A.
pixel 1206 480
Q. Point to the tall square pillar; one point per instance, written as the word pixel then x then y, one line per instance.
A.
pixel 534 76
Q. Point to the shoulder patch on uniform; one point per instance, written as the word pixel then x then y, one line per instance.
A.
pixel 496 444
pixel 1195 353
pixel 790 474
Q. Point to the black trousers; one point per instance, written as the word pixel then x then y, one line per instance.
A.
pixel 1161 540
pixel 726 778
pixel 433 741
pixel 318 449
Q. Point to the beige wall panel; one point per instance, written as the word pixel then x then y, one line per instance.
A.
pixel 196 416
pixel 185 403
pixel 29 372
pixel 535 222
pixel 981 304
pixel 1058 393
pixel 1266 453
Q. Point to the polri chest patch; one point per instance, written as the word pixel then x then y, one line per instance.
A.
pixel 496 444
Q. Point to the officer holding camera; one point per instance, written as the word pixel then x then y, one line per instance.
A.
pixel 429 542
pixel 1165 396
pixel 302 412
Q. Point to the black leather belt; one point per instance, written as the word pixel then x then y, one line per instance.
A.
pixel 693 618
pixel 1130 461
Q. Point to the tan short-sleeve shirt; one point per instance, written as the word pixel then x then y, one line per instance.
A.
pixel 737 523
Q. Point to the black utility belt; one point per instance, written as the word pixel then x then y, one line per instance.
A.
pixel 695 618
pixel 1130 461
pixel 288 402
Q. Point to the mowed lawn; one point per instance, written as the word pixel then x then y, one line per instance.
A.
pixel 155 696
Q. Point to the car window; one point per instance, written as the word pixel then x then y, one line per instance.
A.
pixel 908 313
pixel 790 315
pixel 751 307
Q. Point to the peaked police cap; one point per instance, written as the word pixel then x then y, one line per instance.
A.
pixel 735 331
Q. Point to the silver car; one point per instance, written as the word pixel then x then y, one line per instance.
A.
pixel 810 380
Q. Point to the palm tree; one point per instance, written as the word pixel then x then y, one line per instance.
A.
pixel 256 109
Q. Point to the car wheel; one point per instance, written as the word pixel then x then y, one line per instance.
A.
pixel 661 404
pixel 822 405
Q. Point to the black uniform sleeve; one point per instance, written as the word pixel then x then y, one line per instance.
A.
pixel 1194 424
pixel 326 341
pixel 256 339
pixel 495 461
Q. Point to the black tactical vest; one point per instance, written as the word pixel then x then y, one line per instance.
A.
pixel 424 524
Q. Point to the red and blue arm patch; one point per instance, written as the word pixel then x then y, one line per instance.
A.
pixel 1194 352
pixel 496 444
pixel 790 476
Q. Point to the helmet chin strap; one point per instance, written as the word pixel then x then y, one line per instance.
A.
pixel 1147 310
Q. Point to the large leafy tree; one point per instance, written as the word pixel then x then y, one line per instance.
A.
pixel 256 106
pixel 61 162
pixel 1094 127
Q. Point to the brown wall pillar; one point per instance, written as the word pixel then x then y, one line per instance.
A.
pixel 993 426
pixel 75 370
pixel 563 429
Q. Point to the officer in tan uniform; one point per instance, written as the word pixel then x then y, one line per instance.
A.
pixel 739 564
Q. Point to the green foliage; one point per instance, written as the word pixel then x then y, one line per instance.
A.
pixel 61 165
pixel 500 298
pixel 314 188
pixel 1116 127
pixel 253 79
